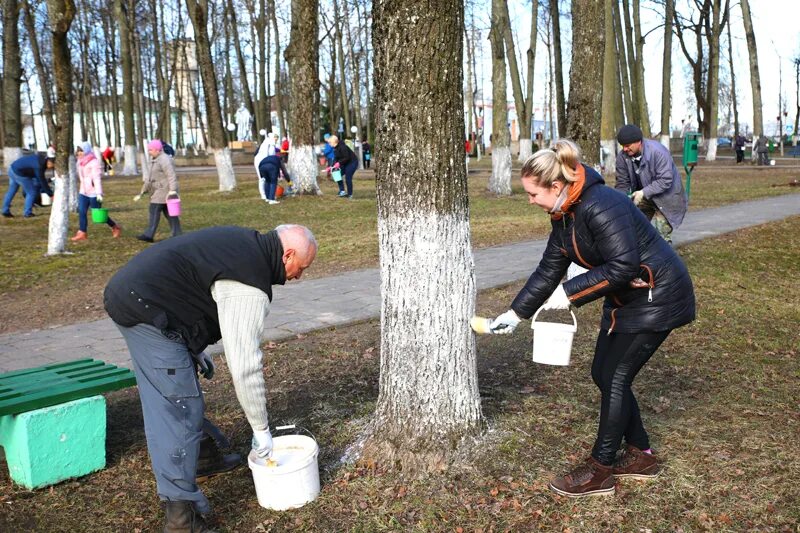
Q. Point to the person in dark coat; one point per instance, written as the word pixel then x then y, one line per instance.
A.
pixel 739 142
pixel 27 172
pixel 269 169
pixel 647 293
pixel 366 150
pixel 347 162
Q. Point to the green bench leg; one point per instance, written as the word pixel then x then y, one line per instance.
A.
pixel 51 444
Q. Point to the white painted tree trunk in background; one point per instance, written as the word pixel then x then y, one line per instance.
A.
pixel 500 180
pixel 607 147
pixel 10 154
pixel 304 169
pixel 664 139
pixel 227 178
pixel 129 161
pixel 72 185
pixel 59 218
pixel 711 151
pixel 525 149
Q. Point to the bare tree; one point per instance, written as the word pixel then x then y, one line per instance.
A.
pixel 608 142
pixel 303 60
pixel 342 71
pixel 583 113
pixel 561 108
pixel 45 89
pixel 641 100
pixel 198 13
pixel 733 81
pixel 666 72
pixel 796 62
pixel 12 78
pixel 523 102
pixel 428 399
pixel 124 19
pixel 755 76
pixel 500 180
pixel 625 81
pixel 247 97
pixel 278 83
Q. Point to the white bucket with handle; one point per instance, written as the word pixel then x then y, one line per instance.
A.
pixel 290 477
pixel 552 341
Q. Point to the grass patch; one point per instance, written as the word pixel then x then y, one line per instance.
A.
pixel 719 399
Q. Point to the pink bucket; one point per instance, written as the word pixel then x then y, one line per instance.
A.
pixel 174 207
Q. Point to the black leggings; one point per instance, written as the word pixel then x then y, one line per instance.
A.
pixel 617 359
pixel 155 215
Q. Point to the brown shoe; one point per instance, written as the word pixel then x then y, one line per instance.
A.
pixel 589 478
pixel 634 463
pixel 80 236
pixel 182 518
pixel 116 231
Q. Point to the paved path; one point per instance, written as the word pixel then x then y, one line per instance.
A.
pixel 354 296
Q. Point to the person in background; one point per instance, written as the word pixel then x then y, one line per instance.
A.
pixel 346 161
pixel 266 149
pixel 761 147
pixel 327 151
pixel 366 151
pixel 269 170
pixel 109 158
pixel 646 172
pixel 284 151
pixel 647 293
pixel 90 193
pixel 170 302
pixel 738 145
pixel 161 184
pixel 27 172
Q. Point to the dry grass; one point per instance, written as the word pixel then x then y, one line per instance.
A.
pixel 719 398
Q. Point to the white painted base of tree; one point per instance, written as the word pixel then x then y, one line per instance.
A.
pixel 608 152
pixel 664 139
pixel 129 167
pixel 500 180
pixel 11 154
pixel 58 227
pixel 227 177
pixel 428 379
pixel 525 149
pixel 72 185
pixel 711 150
pixel 304 169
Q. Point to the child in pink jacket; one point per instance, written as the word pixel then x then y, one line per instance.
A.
pixel 91 190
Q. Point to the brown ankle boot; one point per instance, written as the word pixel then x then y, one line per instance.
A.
pixel 182 518
pixel 587 479
pixel 634 463
pixel 212 461
pixel 80 236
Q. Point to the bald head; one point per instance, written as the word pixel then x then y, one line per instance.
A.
pixel 299 248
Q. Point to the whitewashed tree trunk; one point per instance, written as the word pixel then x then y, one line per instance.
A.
pixel 72 185
pixel 227 177
pixel 129 161
pixel 58 227
pixel 304 169
pixel 525 149
pixel 607 147
pixel 711 150
pixel 11 154
pixel 664 139
pixel 500 180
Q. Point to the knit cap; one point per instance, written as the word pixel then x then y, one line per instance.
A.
pixel 86 146
pixel 155 144
pixel 629 133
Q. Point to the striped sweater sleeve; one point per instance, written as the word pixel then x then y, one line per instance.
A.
pixel 242 312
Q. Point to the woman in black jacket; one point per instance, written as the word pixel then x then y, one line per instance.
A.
pixel 647 291
pixel 345 160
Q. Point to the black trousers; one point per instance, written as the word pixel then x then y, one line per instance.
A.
pixel 155 217
pixel 617 359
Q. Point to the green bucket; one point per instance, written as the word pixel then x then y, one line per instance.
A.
pixel 99 215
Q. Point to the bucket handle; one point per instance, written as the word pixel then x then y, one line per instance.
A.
pixel 574 320
pixel 297 431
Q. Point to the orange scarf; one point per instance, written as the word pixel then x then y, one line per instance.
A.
pixel 574 193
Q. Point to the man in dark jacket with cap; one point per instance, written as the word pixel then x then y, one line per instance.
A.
pixel 27 172
pixel 171 301
pixel 646 173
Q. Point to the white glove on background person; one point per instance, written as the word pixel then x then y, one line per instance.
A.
pixel 99 198
pixel 637 197
pixel 557 300
pixel 137 197
pixel 262 443
pixel 505 324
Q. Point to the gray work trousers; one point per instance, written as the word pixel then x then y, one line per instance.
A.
pixel 172 408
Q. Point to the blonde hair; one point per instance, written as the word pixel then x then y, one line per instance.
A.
pixel 333 139
pixel 557 163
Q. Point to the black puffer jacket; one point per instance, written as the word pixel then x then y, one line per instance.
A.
pixel 604 232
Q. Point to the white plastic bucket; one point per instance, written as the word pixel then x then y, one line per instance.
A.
pixel 46 200
pixel 552 341
pixel 290 478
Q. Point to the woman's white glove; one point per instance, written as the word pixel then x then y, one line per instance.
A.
pixel 99 198
pixel 557 300
pixel 262 443
pixel 505 324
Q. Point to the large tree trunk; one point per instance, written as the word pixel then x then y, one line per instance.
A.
pixel 718 11
pixel 641 100
pixel 42 73
pixel 500 180
pixel 428 399
pixel 61 13
pixel 198 13
pixel 583 114
pixel 755 76
pixel 666 73
pixel 608 142
pixel 635 114
pixel 561 108
pixel 12 83
pixel 126 56
pixel 303 59
pixel 264 113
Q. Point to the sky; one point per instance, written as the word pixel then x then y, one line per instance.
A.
pixel 777 34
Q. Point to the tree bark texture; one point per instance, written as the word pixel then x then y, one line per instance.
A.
pixel 12 81
pixel 755 76
pixel 561 108
pixel 641 99
pixel 428 399
pixel 583 114
pixel 719 18
pixel 635 114
pixel 126 58
pixel 41 72
pixel 608 128
pixel 623 67
pixel 303 58
pixel 500 180
pixel 666 73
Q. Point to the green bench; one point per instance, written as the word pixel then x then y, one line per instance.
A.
pixel 53 419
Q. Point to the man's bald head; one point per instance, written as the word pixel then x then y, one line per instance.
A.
pixel 299 248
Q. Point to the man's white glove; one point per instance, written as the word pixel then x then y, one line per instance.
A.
pixel 505 323
pixel 137 197
pixel 205 365
pixel 637 197
pixel 557 300
pixel 262 443
pixel 99 198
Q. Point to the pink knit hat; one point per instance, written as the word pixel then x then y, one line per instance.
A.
pixel 155 144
